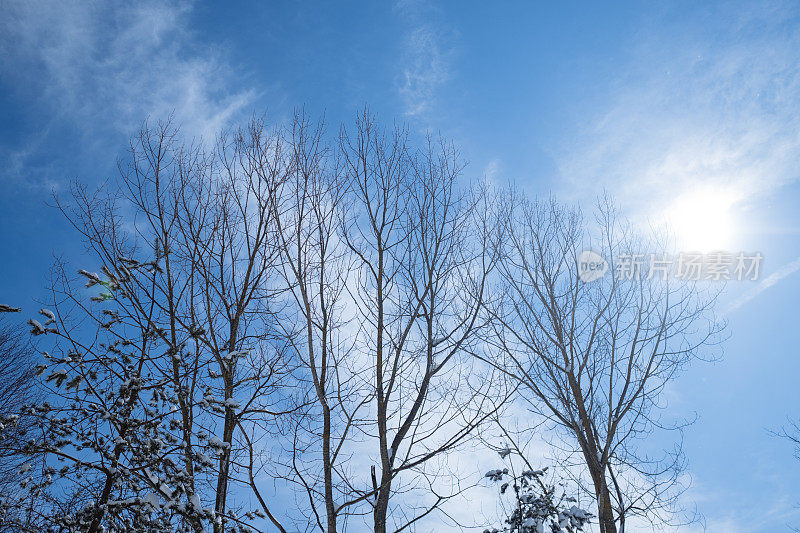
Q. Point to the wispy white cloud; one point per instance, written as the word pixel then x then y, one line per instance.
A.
pixel 426 58
pixel 710 103
pixel 782 273
pixel 740 511
pixel 425 70
pixel 102 68
pixel 493 169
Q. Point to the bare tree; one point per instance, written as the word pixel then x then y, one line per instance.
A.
pixel 186 249
pixel 276 306
pixel 316 270
pixel 17 390
pixel 791 432
pixel 595 357
pixel 237 267
pixel 424 249
pixel 386 258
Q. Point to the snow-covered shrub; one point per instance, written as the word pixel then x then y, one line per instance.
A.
pixel 531 503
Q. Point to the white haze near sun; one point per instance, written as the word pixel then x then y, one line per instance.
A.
pixel 702 220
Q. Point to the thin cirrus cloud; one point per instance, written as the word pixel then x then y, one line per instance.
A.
pixel 426 56
pixel 700 106
pixel 782 273
pixel 105 67
pixel 711 105
pixel 426 68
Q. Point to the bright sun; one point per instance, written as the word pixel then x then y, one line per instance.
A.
pixel 702 220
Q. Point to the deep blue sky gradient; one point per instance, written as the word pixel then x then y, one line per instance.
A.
pixel 646 101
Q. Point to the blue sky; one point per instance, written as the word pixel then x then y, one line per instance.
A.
pixel 663 105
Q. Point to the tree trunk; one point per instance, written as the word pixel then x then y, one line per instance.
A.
pixel 224 459
pixel 605 514
pixel 227 431
pixel 382 503
pixel 328 469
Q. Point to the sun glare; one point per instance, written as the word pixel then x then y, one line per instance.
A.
pixel 701 221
